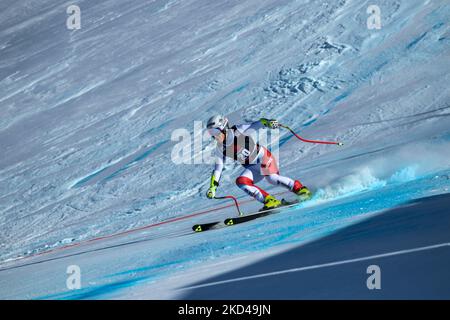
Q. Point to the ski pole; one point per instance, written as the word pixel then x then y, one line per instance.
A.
pixel 310 141
pixel 235 202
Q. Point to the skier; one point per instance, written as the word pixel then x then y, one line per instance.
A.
pixel 233 142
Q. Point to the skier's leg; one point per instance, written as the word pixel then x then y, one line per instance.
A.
pixel 279 180
pixel 246 182
pixel 269 168
pixel 292 185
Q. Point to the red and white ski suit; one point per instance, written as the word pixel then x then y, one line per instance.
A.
pixel 257 160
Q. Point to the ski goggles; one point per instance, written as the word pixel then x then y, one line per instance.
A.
pixel 214 132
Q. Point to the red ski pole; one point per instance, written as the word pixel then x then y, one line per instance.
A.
pixel 235 202
pixel 310 141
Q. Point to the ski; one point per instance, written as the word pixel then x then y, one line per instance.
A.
pixel 261 213
pixel 205 226
pixel 248 217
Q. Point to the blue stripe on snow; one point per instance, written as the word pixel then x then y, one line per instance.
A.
pixel 135 160
pixel 415 41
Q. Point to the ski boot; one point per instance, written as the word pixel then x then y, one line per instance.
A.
pixel 270 202
pixel 301 191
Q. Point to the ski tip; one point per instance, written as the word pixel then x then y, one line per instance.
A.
pixel 229 222
pixel 197 228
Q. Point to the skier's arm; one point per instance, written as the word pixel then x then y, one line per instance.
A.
pixel 215 177
pixel 256 125
pixel 218 166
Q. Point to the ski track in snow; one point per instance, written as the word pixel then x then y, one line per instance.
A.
pixel 87 116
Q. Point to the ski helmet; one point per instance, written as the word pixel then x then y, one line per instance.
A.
pixel 217 124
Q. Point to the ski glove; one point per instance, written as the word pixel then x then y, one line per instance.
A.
pixel 212 188
pixel 211 193
pixel 270 123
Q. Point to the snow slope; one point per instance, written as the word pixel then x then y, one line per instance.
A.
pixel 87 117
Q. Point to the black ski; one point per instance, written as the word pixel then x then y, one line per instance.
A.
pixel 205 226
pixel 244 218
pixel 262 213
